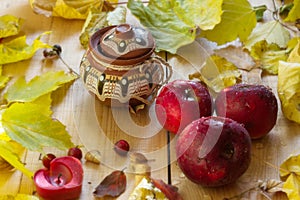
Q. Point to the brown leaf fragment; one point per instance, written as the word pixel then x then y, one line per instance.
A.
pixel 112 185
pixel 170 191
pixel 252 77
pixel 271 185
pixel 238 56
pixel 138 158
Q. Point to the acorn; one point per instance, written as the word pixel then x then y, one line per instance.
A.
pixel 93 156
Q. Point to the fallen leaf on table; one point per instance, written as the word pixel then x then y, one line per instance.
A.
pixel 237 22
pixel 238 56
pixel 69 9
pixel 9 152
pixel 294 56
pixel 99 19
pixel 170 191
pixel 270 186
pixel 290 171
pixel 3 79
pixel 268 56
pixel 17 49
pixel 294 13
pixel 253 76
pixel 9 25
pixel 168 36
pixel 272 32
pixel 146 190
pixel 112 185
pixel 18 197
pixel 21 91
pixel 27 124
pixel 149 188
pixel 289 90
pixel 217 73
pixel 139 166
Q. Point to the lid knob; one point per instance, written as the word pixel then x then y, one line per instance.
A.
pixel 124 31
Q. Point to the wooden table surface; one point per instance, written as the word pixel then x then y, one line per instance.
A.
pixel 97 127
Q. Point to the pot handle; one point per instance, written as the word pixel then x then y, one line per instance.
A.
pixel 166 75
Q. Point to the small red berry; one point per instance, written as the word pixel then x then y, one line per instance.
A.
pixel 47 159
pixel 122 147
pixel 75 152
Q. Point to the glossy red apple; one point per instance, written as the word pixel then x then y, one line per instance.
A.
pixel 255 106
pixel 213 151
pixel 62 181
pixel 180 102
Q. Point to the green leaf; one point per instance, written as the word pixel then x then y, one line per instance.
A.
pixel 21 91
pixel 203 13
pixel 7 152
pixel 9 25
pixel 272 32
pixel 97 19
pixel 217 73
pixel 259 11
pixel 268 55
pixel 26 124
pixel 17 49
pixel 237 21
pixel 43 103
pixel 18 197
pixel 168 30
pixel 294 14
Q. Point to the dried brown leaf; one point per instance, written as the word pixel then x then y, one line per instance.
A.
pixel 238 56
pixel 112 185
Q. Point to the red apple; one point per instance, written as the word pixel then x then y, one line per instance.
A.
pixel 213 151
pixel 180 102
pixel 255 106
pixel 62 181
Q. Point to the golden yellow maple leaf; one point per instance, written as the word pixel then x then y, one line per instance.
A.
pixel 290 169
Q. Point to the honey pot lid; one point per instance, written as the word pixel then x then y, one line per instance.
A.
pixel 126 42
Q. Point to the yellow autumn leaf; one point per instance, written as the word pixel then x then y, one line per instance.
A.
pixel 18 197
pixel 3 79
pixel 99 19
pixel 290 170
pixel 17 49
pixel 289 90
pixel 217 73
pixel 10 151
pixel 295 54
pixel 69 9
pixel 290 165
pixel 9 25
pixel 268 55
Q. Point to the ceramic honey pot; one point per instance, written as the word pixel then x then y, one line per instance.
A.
pixel 120 66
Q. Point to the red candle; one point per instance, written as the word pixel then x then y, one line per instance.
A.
pixel 62 181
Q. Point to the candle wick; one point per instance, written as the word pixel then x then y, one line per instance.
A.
pixel 58 178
